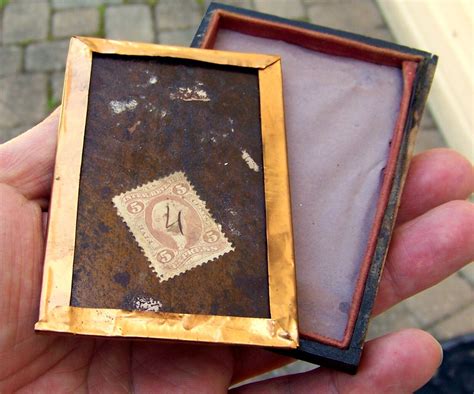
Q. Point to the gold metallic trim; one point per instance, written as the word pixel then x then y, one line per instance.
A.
pixel 175 326
pixel 280 250
pixel 56 314
pixel 210 56
pixel 58 261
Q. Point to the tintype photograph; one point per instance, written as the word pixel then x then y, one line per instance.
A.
pixel 170 207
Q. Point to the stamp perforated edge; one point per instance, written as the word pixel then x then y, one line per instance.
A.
pixel 121 211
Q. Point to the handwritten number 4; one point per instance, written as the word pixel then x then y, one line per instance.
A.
pixel 177 221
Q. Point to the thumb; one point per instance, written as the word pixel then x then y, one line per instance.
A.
pixel 395 363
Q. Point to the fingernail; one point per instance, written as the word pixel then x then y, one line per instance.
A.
pixel 441 354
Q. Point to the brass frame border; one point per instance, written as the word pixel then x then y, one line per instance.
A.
pixel 56 314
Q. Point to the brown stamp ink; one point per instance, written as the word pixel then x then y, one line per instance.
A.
pixel 172 225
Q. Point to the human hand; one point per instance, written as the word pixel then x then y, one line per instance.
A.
pixel 433 239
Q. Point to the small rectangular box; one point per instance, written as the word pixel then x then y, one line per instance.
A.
pixel 352 105
pixel 170 211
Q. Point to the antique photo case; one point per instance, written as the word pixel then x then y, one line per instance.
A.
pixel 170 213
pixel 352 107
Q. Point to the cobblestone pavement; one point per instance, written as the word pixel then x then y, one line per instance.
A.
pixel 33 43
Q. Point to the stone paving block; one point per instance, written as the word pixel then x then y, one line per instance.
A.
pixel 285 8
pixel 468 273
pixel 460 323
pixel 176 37
pixel 396 318
pixel 429 139
pixel 290 369
pixel 429 136
pixel 235 3
pixel 361 17
pixel 10 60
pixel 46 56
pixel 131 22
pixel 177 14
pixel 441 300
pixel 25 22
pixel 8 134
pixel 59 4
pixel 23 101
pixel 27 1
pixel 311 2
pixel 70 22
pixel 427 120
pixel 56 83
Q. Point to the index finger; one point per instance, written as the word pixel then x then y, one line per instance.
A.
pixel 27 161
pixel 434 178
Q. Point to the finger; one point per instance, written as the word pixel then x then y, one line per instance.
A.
pixel 426 250
pixel 250 362
pixel 168 367
pixel 435 177
pixel 21 251
pixel 26 162
pixel 396 363
pixel 43 202
pixel 423 252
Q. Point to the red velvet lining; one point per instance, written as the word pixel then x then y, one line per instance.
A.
pixel 316 41
pixel 338 46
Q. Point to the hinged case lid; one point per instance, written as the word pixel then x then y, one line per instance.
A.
pixel 352 106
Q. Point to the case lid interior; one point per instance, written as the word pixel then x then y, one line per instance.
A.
pixel 342 115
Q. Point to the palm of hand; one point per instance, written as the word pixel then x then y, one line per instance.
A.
pixel 43 363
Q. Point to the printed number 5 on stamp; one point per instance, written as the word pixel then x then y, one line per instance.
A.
pixel 172 225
